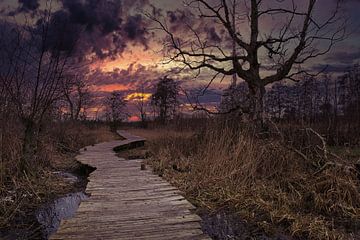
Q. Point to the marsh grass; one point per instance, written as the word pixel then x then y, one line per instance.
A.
pixel 21 193
pixel 285 179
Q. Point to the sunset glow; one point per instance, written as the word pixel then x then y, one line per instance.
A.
pixel 110 88
pixel 134 55
pixel 135 97
pixel 133 119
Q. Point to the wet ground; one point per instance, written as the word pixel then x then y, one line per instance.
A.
pixel 47 218
pixel 51 215
pixel 225 225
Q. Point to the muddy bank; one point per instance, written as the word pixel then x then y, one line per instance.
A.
pixel 43 220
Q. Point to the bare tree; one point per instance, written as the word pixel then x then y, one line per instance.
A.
pixel 234 96
pixel 262 55
pixel 115 105
pixel 77 95
pixel 165 99
pixel 141 103
pixel 32 68
pixel 276 100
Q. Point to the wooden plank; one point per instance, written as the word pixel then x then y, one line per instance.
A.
pixel 127 203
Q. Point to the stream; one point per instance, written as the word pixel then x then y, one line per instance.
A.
pixel 47 218
pixel 51 215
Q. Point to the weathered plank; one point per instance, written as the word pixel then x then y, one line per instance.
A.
pixel 127 203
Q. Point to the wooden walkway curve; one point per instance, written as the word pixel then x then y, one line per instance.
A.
pixel 128 203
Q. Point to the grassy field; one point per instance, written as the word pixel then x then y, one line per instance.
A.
pixel 288 181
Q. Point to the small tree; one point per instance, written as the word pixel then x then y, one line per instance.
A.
pixel 77 95
pixel 115 109
pixel 141 103
pixel 233 97
pixel 165 99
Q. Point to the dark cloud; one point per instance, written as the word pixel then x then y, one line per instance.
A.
pixel 345 57
pixel 25 6
pixel 135 29
pixel 62 34
pixel 108 26
pixel 103 15
pixel 180 19
pixel 331 68
pixel 101 28
pixel 210 96
pixel 212 35
pixel 28 5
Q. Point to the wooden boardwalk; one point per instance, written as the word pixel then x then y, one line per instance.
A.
pixel 128 203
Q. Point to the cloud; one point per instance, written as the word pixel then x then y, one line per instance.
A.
pixel 135 29
pixel 212 34
pixel 28 5
pixel 331 68
pixel 108 27
pixel 101 29
pixel 135 77
pixel 103 15
pixel 62 33
pixel 345 57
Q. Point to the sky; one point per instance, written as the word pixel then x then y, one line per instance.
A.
pixel 122 50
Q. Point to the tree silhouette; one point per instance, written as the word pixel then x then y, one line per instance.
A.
pixel 165 98
pixel 262 55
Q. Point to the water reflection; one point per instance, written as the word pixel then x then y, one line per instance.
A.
pixel 63 208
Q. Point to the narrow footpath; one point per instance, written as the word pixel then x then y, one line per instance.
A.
pixel 128 203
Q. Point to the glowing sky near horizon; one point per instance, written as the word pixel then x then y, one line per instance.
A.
pixel 137 63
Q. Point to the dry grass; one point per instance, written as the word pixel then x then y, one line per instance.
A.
pixel 159 133
pixel 21 193
pixel 309 193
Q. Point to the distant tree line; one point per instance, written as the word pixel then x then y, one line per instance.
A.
pixel 333 101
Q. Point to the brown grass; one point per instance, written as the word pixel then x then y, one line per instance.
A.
pixel 309 193
pixel 21 193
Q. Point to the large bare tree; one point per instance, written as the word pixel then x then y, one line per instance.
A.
pixel 33 62
pixel 261 42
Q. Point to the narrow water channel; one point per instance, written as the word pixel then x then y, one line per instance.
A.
pixel 47 218
pixel 51 215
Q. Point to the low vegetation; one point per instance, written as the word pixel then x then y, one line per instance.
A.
pixel 23 192
pixel 282 180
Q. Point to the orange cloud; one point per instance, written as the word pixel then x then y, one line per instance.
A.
pixel 138 97
pixel 111 88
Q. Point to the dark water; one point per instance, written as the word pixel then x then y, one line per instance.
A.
pixel 224 225
pixel 51 215
pixel 46 219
